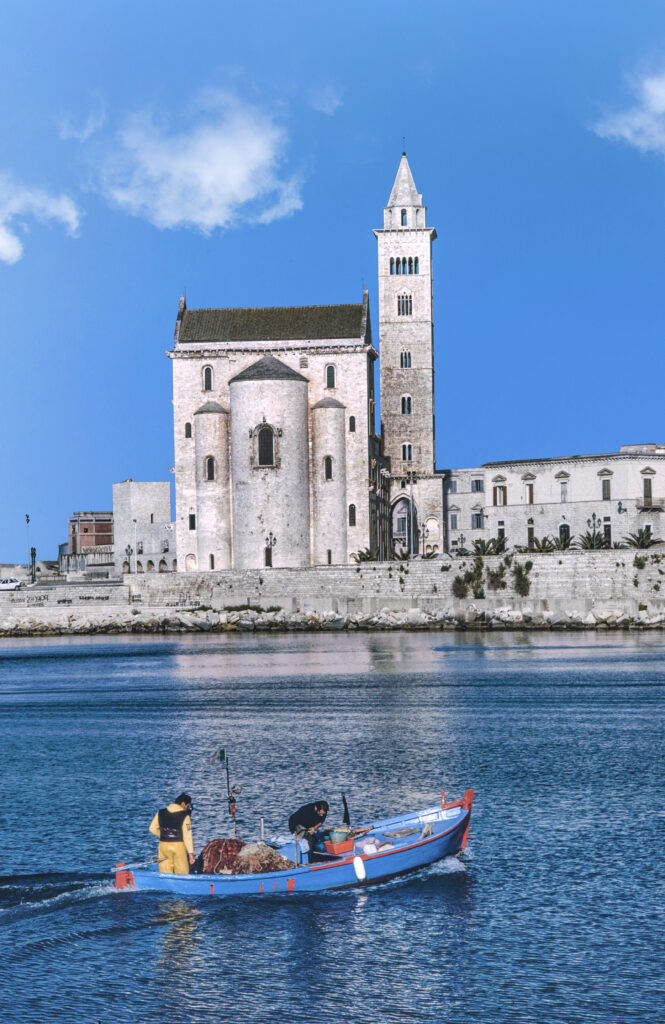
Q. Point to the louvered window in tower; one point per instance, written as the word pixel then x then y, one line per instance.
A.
pixel 266 447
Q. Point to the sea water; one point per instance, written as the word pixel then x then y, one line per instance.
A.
pixel 553 914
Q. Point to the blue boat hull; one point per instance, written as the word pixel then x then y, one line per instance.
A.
pixel 436 833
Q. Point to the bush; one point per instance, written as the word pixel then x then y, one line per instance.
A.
pixel 460 587
pixel 496 578
pixel 639 562
pixel 521 581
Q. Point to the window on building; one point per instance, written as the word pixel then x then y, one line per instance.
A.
pixel 404 305
pixel 152 517
pixel 477 521
pixel 607 531
pixel 403 218
pixel 266 447
pixel 501 530
pixel 647 529
pixel 453 520
pixel 529 494
pixel 392 265
pixel 405 360
pixel 192 521
pixel 477 485
pixel 564 490
pixel 406 405
pixel 648 490
pixel 207 378
pixel 606 489
pixel 139 547
pixel 188 429
pixel 500 494
pixel 330 376
pixel 352 424
pixel 304 362
pixel 410 264
pixel 329 557
pixel 530 537
pixel 398 266
pixel 267 555
pixel 407 453
pixel 564 532
pixel 352 515
pixel 416 266
pixel 452 486
pixel 328 467
pixel 212 561
pixel 209 468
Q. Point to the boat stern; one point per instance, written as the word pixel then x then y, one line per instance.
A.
pixel 123 877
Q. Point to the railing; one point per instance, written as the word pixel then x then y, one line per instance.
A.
pixel 650 504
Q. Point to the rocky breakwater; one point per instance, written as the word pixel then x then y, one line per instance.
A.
pixel 464 616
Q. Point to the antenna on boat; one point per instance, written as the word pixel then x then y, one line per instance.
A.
pixel 221 757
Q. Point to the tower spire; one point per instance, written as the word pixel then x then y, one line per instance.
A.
pixel 404 191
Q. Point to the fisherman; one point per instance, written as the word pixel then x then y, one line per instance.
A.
pixel 307 820
pixel 173 827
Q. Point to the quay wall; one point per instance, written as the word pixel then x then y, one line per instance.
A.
pixel 614 588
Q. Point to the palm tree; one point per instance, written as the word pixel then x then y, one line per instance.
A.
pixel 592 541
pixel 642 539
pixel 563 543
pixel 365 555
pixel 545 544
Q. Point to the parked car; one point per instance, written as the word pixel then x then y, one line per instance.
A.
pixel 9 583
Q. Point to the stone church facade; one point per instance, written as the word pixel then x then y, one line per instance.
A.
pixel 278 462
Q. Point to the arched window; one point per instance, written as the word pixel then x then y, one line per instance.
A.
pixel 403 218
pixel 404 264
pixel 406 453
pixel 404 305
pixel 330 376
pixel 212 561
pixel 163 567
pixel 266 447
pixel 406 405
pixel 188 429
pixel 207 378
pixel 405 360
pixel 139 567
pixel 352 515
pixel 398 266
pixel 410 264
pixel 352 424
pixel 392 265
pixel 209 468
pixel 327 467
pixel 416 266
pixel 150 567
pixel 125 566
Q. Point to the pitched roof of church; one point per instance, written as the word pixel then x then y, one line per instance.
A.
pixel 268 368
pixel 273 323
pixel 404 191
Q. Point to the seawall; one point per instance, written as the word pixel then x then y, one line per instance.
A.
pixel 562 590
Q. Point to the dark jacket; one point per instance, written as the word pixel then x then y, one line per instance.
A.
pixel 305 816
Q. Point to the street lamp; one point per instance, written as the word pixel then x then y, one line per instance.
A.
pixel 591 523
pixel 27 530
pixel 33 558
pixel 129 551
pixel 270 544
pixel 423 533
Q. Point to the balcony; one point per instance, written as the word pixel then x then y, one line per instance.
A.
pixel 650 504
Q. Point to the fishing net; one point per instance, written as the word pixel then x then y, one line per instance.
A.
pixel 233 857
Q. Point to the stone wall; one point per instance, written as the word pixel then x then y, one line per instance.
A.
pixel 566 589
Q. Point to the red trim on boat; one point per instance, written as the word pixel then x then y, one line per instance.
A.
pixel 261 887
pixel 467 803
pixel 274 886
pixel 290 884
pixel 212 889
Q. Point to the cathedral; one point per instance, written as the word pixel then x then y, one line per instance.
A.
pixel 278 461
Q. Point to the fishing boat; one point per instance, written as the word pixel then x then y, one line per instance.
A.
pixel 342 858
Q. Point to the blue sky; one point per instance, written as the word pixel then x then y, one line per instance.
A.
pixel 244 152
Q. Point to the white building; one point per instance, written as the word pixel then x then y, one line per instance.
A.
pixel 143 531
pixel 276 457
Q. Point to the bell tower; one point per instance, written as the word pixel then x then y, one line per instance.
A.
pixel 406 329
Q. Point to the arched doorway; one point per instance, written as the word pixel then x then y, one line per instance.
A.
pixel 404 527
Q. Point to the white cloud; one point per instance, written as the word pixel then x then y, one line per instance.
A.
pixel 18 202
pixel 326 100
pixel 642 125
pixel 82 132
pixel 223 168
